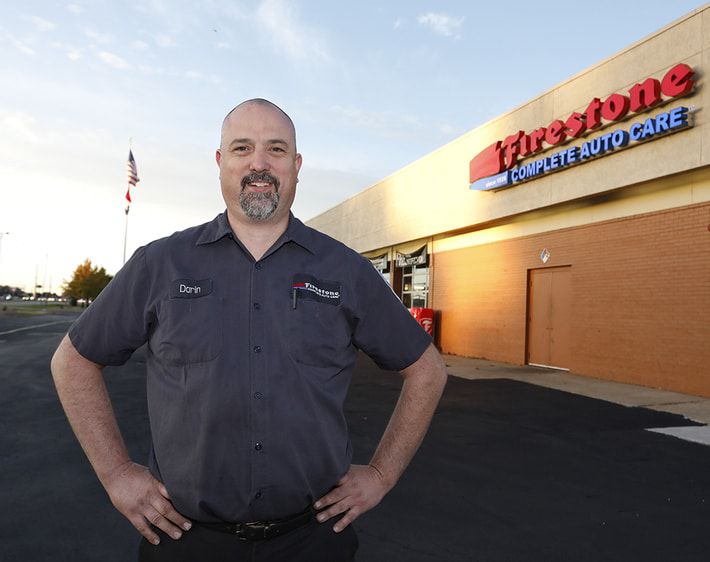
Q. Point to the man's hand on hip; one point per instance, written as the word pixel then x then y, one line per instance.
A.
pixel 361 489
pixel 142 499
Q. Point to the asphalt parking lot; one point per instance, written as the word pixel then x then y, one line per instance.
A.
pixel 510 471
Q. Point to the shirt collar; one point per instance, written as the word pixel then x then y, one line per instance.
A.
pixel 215 230
pixel 295 232
pixel 300 234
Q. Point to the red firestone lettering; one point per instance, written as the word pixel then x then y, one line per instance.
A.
pixel 510 144
pixel 646 94
pixel 591 114
pixel 678 81
pixel 536 138
pixel 615 107
pixel 525 145
pixel 555 133
pixel 575 125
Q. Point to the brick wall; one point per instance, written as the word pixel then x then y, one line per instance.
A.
pixel 641 298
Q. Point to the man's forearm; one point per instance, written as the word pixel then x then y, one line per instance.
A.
pixel 86 402
pixel 424 383
pixel 363 487
pixel 141 498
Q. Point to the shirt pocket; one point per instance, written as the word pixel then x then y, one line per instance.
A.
pixel 319 335
pixel 189 330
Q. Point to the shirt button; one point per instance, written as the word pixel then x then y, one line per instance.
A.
pixel 257 495
pixel 257 349
pixel 258 395
pixel 259 266
pixel 257 446
pixel 257 306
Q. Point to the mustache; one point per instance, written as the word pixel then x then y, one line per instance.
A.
pixel 260 177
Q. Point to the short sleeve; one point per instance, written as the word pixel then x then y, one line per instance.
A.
pixel 118 321
pixel 385 329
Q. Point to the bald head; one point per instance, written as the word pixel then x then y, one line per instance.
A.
pixel 258 163
pixel 234 115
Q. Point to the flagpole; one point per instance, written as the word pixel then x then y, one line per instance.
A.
pixel 125 235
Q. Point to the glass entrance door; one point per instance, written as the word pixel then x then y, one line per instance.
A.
pixel 415 286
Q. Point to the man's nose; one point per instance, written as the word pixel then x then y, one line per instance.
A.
pixel 259 161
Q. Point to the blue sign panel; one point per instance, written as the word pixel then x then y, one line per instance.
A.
pixel 492 182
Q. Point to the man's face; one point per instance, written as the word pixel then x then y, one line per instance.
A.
pixel 258 163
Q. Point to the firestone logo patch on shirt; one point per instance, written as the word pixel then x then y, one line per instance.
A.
pixel 189 288
pixel 308 287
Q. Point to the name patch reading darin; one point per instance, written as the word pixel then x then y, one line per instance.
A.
pixel 308 287
pixel 189 288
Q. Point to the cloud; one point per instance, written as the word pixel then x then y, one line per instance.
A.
pixel 290 36
pixel 103 38
pixel 40 23
pixel 163 40
pixel 398 23
pixel 19 124
pixel 72 52
pixel 233 11
pixel 74 8
pixel 150 70
pixel 382 123
pixel 139 45
pixel 399 129
pixel 114 61
pixel 193 75
pixel 21 46
pixel 442 24
pixel 449 130
pixel 222 45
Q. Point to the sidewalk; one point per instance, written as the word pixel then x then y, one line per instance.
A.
pixel 695 408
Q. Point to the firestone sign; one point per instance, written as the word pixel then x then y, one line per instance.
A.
pixel 495 167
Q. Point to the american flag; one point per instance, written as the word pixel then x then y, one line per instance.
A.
pixel 132 174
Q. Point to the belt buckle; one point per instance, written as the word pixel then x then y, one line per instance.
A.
pixel 251 531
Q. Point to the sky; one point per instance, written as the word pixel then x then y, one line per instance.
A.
pixel 371 86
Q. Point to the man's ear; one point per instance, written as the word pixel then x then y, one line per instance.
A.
pixel 299 162
pixel 218 156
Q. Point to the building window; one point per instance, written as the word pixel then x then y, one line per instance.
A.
pixel 415 286
pixel 382 264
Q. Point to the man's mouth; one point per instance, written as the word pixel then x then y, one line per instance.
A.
pixel 260 185
pixel 260 182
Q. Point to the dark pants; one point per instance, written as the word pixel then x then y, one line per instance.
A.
pixel 314 542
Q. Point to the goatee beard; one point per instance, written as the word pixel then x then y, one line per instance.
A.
pixel 259 206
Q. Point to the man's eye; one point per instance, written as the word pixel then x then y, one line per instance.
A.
pixel 277 149
pixel 241 148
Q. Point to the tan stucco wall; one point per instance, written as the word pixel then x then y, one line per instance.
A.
pixel 432 196
pixel 675 191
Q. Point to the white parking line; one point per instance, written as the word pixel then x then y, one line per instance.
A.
pixel 694 433
pixel 35 326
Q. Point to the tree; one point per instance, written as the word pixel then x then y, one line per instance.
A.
pixel 87 282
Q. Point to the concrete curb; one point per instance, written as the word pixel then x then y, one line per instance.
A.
pixel 695 408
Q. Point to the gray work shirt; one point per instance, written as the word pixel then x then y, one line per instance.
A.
pixel 248 362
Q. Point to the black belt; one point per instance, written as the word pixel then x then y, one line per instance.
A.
pixel 262 530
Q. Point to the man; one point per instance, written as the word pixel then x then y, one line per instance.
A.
pixel 253 323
